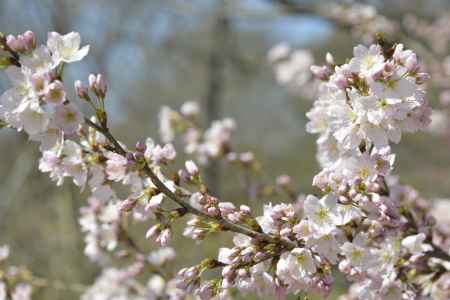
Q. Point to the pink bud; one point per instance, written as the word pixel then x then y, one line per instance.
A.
pixel 154 231
pixel 16 44
pixel 128 204
pixel 228 271
pixel 247 157
pixel 283 180
pixel 191 167
pixel 81 90
pixel 10 41
pixel 212 211
pixel 344 200
pixel 140 146
pixel 242 273
pixel 411 63
pixel 260 256
pixel 285 232
pixel 30 40
pixel 340 81
pixel 92 80
pixel 227 208
pixel 329 58
pixel 164 237
pixel 245 209
pixel 320 72
pixel 101 86
pixel 232 156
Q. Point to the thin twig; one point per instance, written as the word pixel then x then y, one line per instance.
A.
pixel 226 225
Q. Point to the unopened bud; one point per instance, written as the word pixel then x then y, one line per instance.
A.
pixel 329 58
pixel 411 63
pixel 191 167
pixel 242 273
pixel 164 238
pixel 30 40
pixel 320 72
pixel 128 204
pixel 154 231
pixel 101 86
pixel 212 211
pixel 140 146
pixel 81 90
pixel 245 209
pixel 91 80
pixel 246 157
pixel 16 44
pixel 139 156
pixel 232 156
pixel 283 180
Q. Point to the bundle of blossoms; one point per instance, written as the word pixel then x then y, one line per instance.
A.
pixel 380 234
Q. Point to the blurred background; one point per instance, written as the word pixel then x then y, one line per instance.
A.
pixel 157 52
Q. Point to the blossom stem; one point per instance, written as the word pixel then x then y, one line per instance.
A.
pixel 226 225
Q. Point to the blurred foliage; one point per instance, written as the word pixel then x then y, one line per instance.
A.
pixel 156 52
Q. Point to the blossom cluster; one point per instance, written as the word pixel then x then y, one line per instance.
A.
pixel 368 226
pixel 204 144
pixel 368 103
pixel 291 68
pixel 15 282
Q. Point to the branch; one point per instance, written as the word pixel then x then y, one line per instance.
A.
pixel 226 225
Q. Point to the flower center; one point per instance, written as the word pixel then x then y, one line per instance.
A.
pixel 322 214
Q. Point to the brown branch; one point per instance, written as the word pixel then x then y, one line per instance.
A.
pixel 225 225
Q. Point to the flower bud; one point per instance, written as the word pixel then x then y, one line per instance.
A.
pixel 16 44
pixel 91 80
pixel 212 211
pixel 329 58
pixel 81 90
pixel 341 81
pixel 226 208
pixel 246 157
pixel 100 84
pixel 344 200
pixel 164 237
pixel 128 204
pixel 190 109
pixel 242 273
pixel 285 232
pixel 244 209
pixel 283 180
pixel 411 63
pixel 228 271
pixel 260 256
pixel 30 40
pixel 232 156
pixel 154 231
pixel 207 291
pixel 191 167
pixel 139 156
pixel 140 146
pixel 320 72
